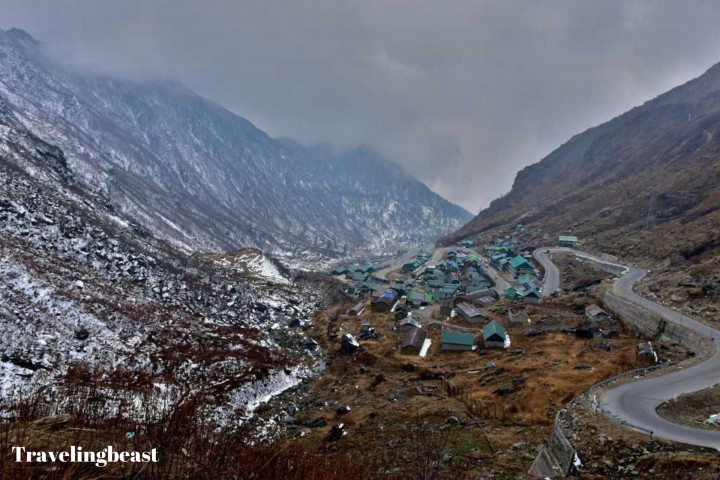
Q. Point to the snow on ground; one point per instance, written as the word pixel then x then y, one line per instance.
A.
pixel 252 395
pixel 80 289
pixel 262 266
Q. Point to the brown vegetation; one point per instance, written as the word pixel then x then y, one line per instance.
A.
pixel 494 415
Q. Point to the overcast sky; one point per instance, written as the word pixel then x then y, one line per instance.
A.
pixel 463 93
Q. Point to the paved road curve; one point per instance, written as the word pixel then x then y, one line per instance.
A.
pixel 636 402
pixel 397 263
pixel 500 283
pixel 551 282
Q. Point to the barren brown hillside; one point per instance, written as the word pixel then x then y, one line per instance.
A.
pixel 644 186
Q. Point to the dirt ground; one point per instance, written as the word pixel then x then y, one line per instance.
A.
pixel 689 292
pixel 578 274
pixel 488 402
pixel 484 412
pixel 694 409
pixel 608 450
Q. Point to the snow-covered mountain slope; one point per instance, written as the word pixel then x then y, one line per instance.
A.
pixel 201 177
pixel 87 297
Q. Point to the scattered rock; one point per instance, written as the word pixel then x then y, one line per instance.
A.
pixel 337 432
pixel 504 390
pixel 317 423
pixel 82 334
pixel 679 297
pixel 452 420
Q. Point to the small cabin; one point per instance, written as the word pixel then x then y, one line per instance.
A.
pixel 413 341
pixel 595 313
pixel 518 317
pixel 495 336
pixel 519 265
pixel 569 241
pixel 408 324
pixel 385 302
pixel 469 313
pixel 450 340
pixel 357 309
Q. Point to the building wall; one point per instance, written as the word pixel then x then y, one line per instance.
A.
pixel 410 350
pixel 381 307
pixel 452 346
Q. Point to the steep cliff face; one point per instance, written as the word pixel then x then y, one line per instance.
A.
pixel 646 183
pixel 196 174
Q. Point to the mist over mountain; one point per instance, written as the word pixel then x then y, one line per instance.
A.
pixel 203 178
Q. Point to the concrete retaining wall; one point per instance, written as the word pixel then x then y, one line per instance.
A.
pixel 652 324
pixel 556 457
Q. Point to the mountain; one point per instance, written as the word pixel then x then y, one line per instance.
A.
pixel 645 186
pixel 203 178
pixel 93 307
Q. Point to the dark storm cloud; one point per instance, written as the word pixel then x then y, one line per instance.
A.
pixel 463 93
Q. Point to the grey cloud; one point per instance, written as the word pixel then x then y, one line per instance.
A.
pixel 463 93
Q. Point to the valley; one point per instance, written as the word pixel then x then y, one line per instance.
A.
pixel 174 277
pixel 504 400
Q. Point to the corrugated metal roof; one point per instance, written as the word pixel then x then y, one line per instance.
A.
pixel 415 338
pixel 458 338
pixel 468 310
pixel 567 238
pixel 519 261
pixel 493 328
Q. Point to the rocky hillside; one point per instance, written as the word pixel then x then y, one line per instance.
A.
pixel 203 178
pixel 645 184
pixel 88 298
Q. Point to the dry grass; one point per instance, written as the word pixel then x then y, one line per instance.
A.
pixel 188 449
pixel 458 384
pixel 693 409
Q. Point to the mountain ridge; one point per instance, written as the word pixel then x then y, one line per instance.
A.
pixel 200 176
pixel 640 155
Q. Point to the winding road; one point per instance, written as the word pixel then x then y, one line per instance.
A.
pixel 635 403
pixel 500 283
pixel 397 263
